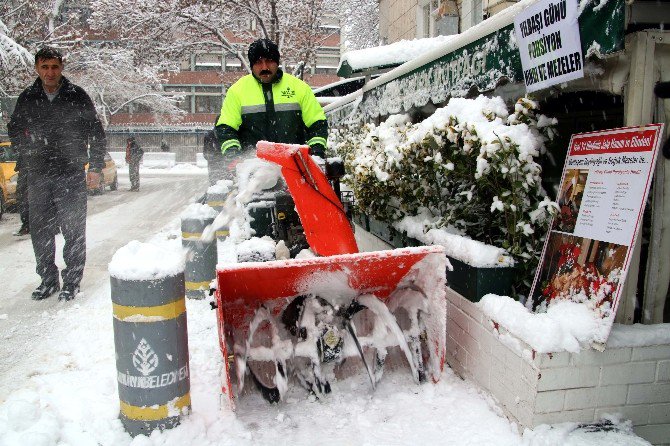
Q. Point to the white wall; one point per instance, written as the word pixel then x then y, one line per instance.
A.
pixel 547 388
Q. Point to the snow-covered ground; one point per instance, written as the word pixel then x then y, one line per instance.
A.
pixel 57 363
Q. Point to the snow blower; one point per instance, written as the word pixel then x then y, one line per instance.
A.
pixel 301 319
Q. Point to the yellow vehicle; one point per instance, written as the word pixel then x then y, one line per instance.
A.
pixel 8 177
pixel 108 177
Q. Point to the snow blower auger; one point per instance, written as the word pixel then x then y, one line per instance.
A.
pixel 302 319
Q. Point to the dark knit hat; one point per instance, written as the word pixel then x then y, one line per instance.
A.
pixel 263 48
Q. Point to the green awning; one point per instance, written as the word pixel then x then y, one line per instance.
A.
pixel 482 63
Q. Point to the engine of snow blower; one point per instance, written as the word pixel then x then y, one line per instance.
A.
pixel 273 211
pixel 300 320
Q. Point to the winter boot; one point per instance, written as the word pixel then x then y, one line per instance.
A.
pixel 23 230
pixel 69 292
pixel 45 290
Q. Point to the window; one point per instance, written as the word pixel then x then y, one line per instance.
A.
pixel 185 103
pixel 211 89
pixel 208 104
pixel 471 13
pixel 425 18
pixel 325 70
pixel 177 88
pixel 208 62
pixel 233 63
pixel 327 60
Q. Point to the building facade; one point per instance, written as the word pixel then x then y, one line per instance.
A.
pixel 416 19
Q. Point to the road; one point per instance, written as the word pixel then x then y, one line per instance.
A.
pixel 114 219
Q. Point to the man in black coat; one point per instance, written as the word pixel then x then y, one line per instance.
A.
pixel 134 154
pixel 55 127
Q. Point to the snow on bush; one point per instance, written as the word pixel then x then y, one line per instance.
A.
pixel 471 167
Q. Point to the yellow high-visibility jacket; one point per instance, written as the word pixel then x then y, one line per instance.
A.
pixel 284 111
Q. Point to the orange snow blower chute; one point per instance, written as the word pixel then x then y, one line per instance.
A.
pixel 303 317
pixel 327 229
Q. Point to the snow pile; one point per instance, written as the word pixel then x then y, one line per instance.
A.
pixel 221 187
pixel 610 431
pixel 198 211
pixel 638 335
pixel 566 326
pixel 255 175
pixel 256 249
pixel 468 251
pixel 148 261
pixel 393 54
pixel 27 422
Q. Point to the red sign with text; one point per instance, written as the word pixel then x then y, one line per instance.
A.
pixel 601 199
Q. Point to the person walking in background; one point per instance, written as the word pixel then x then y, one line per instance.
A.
pixel 164 146
pixel 57 130
pixel 269 105
pixel 22 198
pixel 134 155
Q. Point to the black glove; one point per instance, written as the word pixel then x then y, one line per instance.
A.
pixel 318 150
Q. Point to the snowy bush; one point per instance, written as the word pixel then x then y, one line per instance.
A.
pixel 471 166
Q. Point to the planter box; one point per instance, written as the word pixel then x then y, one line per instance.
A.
pixel 469 281
pixel 535 388
pixel 387 233
pixel 361 220
pixel 473 283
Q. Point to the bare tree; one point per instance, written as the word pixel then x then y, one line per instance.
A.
pixel 114 79
pixel 170 30
pixel 360 24
pixel 112 74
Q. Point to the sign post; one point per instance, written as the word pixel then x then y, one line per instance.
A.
pixel 549 43
pixel 602 195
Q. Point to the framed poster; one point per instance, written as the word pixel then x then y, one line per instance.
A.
pixel 601 199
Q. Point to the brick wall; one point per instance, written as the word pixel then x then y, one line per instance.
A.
pixel 547 388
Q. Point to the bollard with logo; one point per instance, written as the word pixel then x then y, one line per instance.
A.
pixel 200 268
pixel 150 336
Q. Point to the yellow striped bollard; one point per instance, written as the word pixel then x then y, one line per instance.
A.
pixel 150 336
pixel 200 268
pixel 217 194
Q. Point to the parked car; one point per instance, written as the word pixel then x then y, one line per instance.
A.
pixel 8 177
pixel 108 177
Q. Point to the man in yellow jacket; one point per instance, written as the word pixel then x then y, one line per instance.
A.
pixel 269 105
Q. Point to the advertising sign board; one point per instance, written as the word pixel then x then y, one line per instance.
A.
pixel 602 195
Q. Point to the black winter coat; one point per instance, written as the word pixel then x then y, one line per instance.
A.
pixel 54 137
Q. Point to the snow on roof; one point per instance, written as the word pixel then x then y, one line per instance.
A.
pixel 390 55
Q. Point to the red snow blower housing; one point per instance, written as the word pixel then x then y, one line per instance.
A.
pixel 301 319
